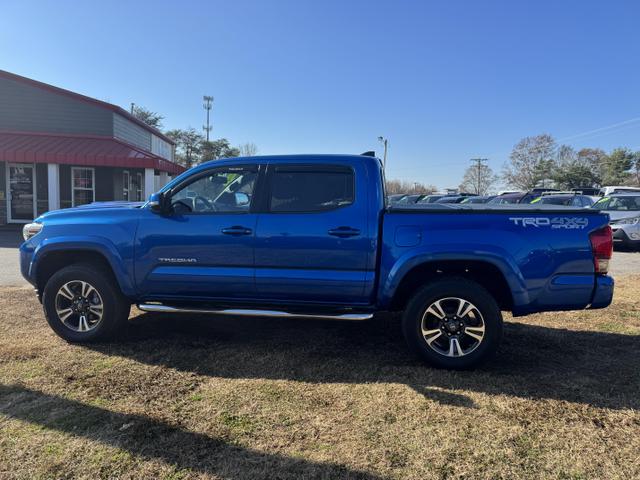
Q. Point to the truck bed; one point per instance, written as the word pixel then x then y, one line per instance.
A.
pixel 543 252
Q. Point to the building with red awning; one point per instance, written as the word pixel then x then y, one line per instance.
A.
pixel 60 149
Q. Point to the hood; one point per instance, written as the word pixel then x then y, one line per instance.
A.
pixel 620 214
pixel 111 208
pixel 114 204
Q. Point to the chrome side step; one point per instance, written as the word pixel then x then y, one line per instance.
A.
pixel 156 307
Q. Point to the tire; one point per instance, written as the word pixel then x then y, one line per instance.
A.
pixel 453 341
pixel 67 286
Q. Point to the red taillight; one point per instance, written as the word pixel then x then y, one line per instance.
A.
pixel 602 248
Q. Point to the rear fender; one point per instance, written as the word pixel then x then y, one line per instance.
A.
pixel 492 255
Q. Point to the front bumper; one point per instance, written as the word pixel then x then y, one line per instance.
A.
pixel 626 235
pixel 602 292
pixel 26 255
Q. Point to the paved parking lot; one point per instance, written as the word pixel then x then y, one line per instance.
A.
pixel 623 263
pixel 9 265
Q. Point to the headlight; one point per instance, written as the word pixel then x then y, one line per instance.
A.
pixel 31 229
pixel 627 221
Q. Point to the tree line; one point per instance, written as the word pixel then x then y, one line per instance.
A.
pixel 192 147
pixel 539 161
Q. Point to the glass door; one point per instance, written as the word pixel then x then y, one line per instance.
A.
pixel 22 192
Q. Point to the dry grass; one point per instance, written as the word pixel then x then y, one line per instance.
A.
pixel 194 397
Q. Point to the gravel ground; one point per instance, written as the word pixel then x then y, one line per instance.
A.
pixel 623 263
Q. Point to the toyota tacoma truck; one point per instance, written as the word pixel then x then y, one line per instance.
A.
pixel 310 236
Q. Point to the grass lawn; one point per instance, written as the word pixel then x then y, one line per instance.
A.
pixel 204 397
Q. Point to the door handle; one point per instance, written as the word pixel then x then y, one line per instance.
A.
pixel 237 230
pixel 344 232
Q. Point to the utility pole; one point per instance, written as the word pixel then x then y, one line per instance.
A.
pixel 208 102
pixel 384 158
pixel 479 163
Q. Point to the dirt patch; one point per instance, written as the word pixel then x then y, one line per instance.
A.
pixel 204 397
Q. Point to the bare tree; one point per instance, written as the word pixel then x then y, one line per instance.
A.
pixel 248 149
pixel 402 186
pixel 531 162
pixel 478 179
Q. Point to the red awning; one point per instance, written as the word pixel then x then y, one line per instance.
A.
pixel 89 150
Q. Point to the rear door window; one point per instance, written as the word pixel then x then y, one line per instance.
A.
pixel 311 188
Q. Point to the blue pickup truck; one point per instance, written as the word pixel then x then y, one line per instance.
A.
pixel 310 236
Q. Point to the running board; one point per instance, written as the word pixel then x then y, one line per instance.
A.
pixel 156 307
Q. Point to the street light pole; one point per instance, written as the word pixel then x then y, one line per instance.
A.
pixel 384 141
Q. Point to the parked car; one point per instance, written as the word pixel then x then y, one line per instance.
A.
pixel 395 197
pixel 589 191
pixel 478 199
pixel 606 191
pixel 567 199
pixel 624 211
pixel 508 198
pixel 432 198
pixel 309 236
pixel 409 199
pixel 519 197
pixel 451 199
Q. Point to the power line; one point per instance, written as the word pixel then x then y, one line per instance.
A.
pixel 601 129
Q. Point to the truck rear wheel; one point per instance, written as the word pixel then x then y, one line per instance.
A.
pixel 453 323
pixel 82 303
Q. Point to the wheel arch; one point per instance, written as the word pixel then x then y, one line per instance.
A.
pixel 507 288
pixel 50 257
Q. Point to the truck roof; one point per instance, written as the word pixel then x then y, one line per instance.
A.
pixel 306 158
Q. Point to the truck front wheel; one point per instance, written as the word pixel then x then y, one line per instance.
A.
pixel 453 323
pixel 83 303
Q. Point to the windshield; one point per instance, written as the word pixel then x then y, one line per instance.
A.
pixel 502 199
pixel 431 198
pixel 622 203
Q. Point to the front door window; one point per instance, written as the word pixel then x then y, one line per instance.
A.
pixel 21 192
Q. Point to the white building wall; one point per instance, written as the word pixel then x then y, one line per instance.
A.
pixel 161 147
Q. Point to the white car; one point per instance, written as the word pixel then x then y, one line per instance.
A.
pixel 606 191
pixel 624 212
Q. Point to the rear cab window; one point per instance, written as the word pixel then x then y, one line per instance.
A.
pixel 310 188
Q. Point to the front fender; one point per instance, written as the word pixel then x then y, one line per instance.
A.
pixel 433 253
pixel 89 243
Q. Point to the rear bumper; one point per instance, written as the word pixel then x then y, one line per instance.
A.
pixel 571 292
pixel 603 292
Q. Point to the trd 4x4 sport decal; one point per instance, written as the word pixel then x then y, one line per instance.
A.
pixel 554 222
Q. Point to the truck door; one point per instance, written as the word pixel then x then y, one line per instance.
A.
pixel 203 246
pixel 312 243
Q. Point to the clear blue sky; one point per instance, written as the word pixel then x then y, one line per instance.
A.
pixel 444 81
